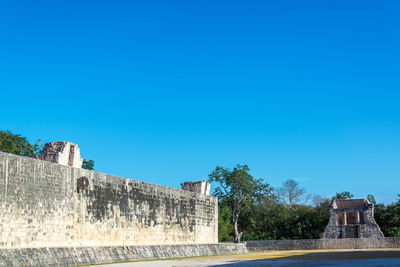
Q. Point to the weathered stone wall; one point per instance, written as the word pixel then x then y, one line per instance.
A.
pixel 74 256
pixel 344 243
pixel 40 206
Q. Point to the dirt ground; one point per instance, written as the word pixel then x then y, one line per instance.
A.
pixel 362 258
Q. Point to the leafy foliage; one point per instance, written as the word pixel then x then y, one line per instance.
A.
pixel 272 219
pixel 88 164
pixel 371 199
pixel 343 195
pixel 18 145
pixel 388 218
pixel 267 217
pixel 291 193
pixel 238 190
pixel 225 228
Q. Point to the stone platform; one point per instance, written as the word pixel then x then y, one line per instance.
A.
pixel 73 256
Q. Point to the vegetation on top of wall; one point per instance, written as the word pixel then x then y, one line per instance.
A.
pixel 18 145
pixel 88 164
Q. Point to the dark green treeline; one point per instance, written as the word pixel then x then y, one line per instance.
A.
pixel 270 218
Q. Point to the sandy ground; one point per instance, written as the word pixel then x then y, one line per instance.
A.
pixel 361 258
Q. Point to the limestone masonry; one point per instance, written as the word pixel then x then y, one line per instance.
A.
pixel 73 256
pixel 64 153
pixel 200 187
pixel 44 204
pixel 352 218
pixel 332 243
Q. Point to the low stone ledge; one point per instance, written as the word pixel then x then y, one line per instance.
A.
pixel 305 244
pixel 73 256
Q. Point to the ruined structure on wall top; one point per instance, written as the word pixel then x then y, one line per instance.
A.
pixel 352 218
pixel 200 187
pixel 64 153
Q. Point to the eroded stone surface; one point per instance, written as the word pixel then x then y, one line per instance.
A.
pixel 199 187
pixel 73 256
pixel 352 218
pixel 64 153
pixel 41 205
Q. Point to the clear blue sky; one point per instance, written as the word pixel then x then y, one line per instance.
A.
pixel 163 91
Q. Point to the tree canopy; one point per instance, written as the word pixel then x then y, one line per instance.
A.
pixel 237 189
pixel 344 195
pixel 371 199
pixel 88 164
pixel 291 193
pixel 18 145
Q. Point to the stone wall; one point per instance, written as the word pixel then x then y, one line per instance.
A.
pixel 344 243
pixel 43 205
pixel 74 256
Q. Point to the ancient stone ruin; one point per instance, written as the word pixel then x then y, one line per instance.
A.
pixel 64 153
pixel 200 187
pixel 53 205
pixel 72 216
pixel 352 218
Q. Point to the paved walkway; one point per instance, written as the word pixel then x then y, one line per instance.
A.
pixel 358 258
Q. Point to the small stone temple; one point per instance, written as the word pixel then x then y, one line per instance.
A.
pixel 64 153
pixel 200 187
pixel 352 218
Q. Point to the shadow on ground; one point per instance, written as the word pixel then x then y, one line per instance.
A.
pixel 334 258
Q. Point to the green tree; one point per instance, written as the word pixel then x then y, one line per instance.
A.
pixel 18 145
pixel 343 195
pixel 317 200
pixel 291 193
pixel 88 164
pixel 238 190
pixel 371 199
pixel 224 224
pixel 388 218
pixel 267 219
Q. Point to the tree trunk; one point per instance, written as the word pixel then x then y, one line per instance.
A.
pixel 236 233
